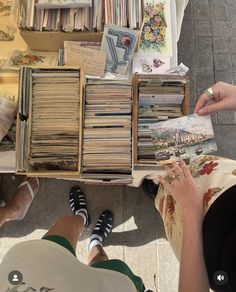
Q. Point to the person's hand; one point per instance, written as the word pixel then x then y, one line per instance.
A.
pixel 184 190
pixel 224 98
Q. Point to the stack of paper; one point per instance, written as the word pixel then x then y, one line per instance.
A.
pixel 107 130
pixel 159 100
pixel 79 15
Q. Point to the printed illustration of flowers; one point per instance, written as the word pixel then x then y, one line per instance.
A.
pixel 196 168
pixel 208 168
pixel 169 215
pixel 27 59
pixel 154 28
pixel 210 194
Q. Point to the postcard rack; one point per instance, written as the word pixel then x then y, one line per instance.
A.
pixel 156 98
pixel 48 142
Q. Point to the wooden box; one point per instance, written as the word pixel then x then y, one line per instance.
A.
pixel 23 145
pixel 159 78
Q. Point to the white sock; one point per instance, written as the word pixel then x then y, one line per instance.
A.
pixel 82 213
pixel 95 240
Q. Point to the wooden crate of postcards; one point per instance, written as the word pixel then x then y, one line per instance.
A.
pixel 49 122
pixel 156 98
pixel 74 129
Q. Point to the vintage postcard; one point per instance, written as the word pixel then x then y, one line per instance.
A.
pixel 182 138
pixel 9 35
pixel 119 44
pixel 20 58
pixel 92 60
pixel 156 30
pixel 155 46
pixel 150 64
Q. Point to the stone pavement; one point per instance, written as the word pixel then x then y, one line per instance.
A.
pixel 208 46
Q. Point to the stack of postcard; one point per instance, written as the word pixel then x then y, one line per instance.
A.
pixel 107 130
pixel 158 100
pixel 183 138
pixel 48 132
pixel 84 15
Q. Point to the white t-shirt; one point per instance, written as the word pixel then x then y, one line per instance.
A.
pixel 45 264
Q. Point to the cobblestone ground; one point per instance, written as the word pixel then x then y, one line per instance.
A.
pixel 208 46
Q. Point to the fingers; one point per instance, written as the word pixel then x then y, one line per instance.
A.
pixel 165 184
pixel 178 171
pixel 185 169
pixel 214 107
pixel 201 103
pixel 170 171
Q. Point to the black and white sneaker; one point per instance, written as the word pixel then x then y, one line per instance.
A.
pixel 78 204
pixel 102 228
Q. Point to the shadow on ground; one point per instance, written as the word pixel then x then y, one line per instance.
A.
pixel 137 222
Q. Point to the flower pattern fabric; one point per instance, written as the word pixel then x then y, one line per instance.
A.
pixel 214 175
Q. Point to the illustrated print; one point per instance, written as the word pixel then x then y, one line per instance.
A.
pixel 153 33
pixel 119 43
pixel 27 59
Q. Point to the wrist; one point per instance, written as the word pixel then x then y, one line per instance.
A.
pixel 192 217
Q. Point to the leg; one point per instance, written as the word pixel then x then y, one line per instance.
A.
pixel 17 205
pixel 99 234
pixel 97 254
pixel 70 227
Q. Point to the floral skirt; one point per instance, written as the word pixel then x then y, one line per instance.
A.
pixel 214 175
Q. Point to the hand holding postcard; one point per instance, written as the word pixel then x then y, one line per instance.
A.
pixel 182 138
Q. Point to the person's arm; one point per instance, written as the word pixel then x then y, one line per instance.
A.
pixel 193 275
pixel 224 99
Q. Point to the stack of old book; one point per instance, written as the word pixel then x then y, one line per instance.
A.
pixel 107 140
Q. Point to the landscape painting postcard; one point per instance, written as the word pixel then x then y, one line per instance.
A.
pixel 182 138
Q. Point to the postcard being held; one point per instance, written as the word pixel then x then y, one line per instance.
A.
pixel 182 138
